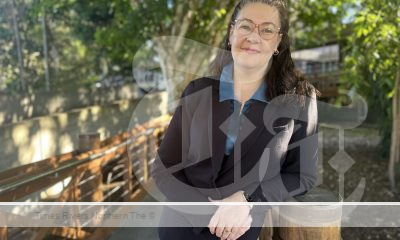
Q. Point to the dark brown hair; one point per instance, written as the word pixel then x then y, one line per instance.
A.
pixel 282 77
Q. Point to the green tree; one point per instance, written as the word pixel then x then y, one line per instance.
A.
pixel 75 58
pixel 368 32
pixel 372 64
pixel 136 23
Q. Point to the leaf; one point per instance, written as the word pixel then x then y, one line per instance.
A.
pixel 390 94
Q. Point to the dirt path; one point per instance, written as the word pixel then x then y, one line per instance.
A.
pixel 362 145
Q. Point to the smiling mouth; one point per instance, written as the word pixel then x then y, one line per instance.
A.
pixel 250 50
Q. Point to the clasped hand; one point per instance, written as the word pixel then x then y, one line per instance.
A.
pixel 230 221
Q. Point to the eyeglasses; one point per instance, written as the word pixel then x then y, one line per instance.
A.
pixel 265 30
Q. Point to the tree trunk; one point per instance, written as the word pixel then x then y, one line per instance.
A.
pixel 181 64
pixel 168 49
pixel 45 51
pixel 182 60
pixel 19 47
pixel 395 140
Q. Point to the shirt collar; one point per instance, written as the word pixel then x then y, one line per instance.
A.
pixel 226 91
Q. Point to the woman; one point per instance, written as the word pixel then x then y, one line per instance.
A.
pixel 226 130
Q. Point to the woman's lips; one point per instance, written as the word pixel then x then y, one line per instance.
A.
pixel 250 50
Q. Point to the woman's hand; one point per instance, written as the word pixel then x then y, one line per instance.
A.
pixel 235 232
pixel 231 221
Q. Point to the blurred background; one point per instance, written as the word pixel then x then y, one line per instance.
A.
pixel 74 67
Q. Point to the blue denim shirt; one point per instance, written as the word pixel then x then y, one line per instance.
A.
pixel 226 93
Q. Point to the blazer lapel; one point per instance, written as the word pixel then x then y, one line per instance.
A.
pixel 256 118
pixel 220 114
pixel 253 125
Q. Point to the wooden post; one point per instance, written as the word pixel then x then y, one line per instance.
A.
pixel 89 141
pixel 76 198
pixel 145 159
pixel 267 231
pixel 3 233
pixel 311 222
pixel 288 222
pixel 128 187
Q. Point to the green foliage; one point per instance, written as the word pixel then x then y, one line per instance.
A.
pixel 368 32
pixel 90 40
pixel 373 58
pixel 133 25
pixel 316 23
pixel 95 39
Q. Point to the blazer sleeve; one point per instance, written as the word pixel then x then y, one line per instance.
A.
pixel 299 169
pixel 168 170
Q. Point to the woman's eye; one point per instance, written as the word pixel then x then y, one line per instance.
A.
pixel 245 27
pixel 267 30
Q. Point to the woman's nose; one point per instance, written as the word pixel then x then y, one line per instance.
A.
pixel 253 37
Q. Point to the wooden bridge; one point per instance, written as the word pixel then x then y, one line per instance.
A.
pixel 109 171
pixel 100 171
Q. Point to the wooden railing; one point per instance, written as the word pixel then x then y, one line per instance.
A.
pixel 111 170
pixel 326 83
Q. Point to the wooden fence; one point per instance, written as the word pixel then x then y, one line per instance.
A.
pixel 113 170
pixel 106 171
pixel 326 83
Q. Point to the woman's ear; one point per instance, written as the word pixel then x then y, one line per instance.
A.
pixel 279 40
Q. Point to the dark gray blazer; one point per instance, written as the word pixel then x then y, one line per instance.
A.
pixel 275 154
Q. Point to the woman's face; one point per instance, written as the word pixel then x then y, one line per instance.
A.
pixel 251 51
